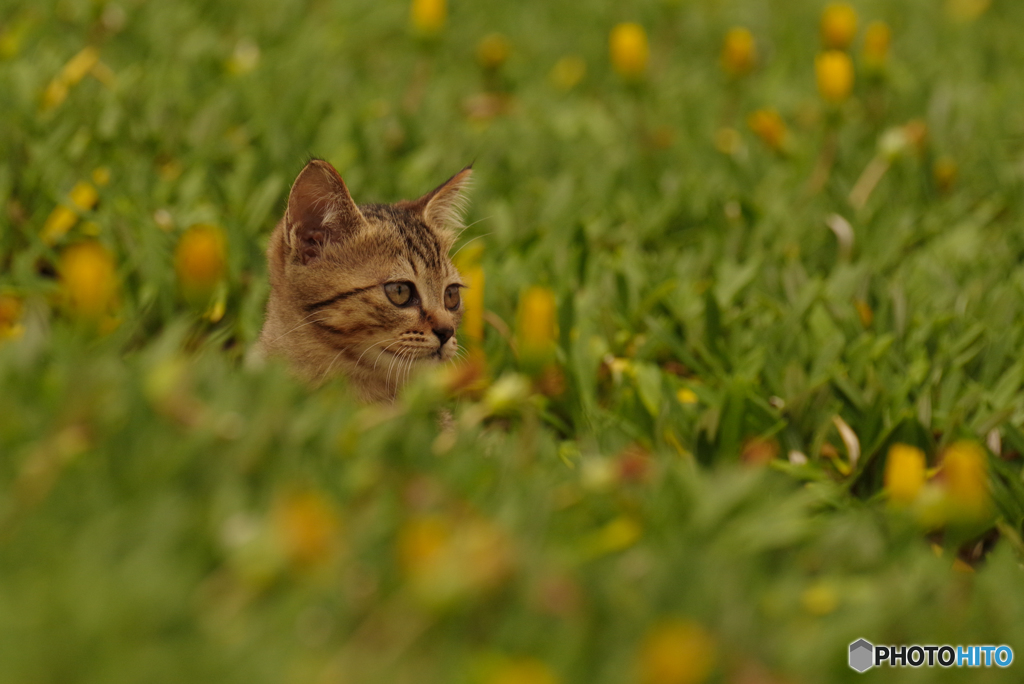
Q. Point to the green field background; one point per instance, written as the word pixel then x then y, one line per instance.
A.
pixel 171 511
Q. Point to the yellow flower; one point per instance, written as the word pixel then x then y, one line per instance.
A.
pixel 10 317
pixel 72 72
pixel 838 26
pixel 739 52
pixel 819 599
pixel 428 16
pixel 307 527
pixel 966 10
pixel 473 305
pixel 769 127
pixel 965 473
pixel 88 279
pixel 446 560
pixel 904 473
pixel 538 324
pixel 492 51
pixel 62 219
pixel 521 671
pixel 834 70
pixel 876 45
pixel 568 72
pixel 676 652
pixel 200 260
pixel 687 396
pixel 629 50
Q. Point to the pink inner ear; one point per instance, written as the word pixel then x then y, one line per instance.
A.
pixel 320 210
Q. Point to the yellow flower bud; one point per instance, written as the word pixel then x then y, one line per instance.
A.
pixel 200 260
pixel 834 70
pixel 428 16
pixel 965 476
pixel 83 196
pixel 769 127
pixel 838 26
pixel 876 45
pixel 629 50
pixel 739 52
pixel 568 72
pixel 538 324
pixel 89 280
pixel 521 671
pixel 904 473
pixel 676 652
pixel 492 52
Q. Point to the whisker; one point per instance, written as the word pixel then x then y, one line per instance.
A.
pixel 372 346
pixel 470 240
pixel 384 350
pixel 302 325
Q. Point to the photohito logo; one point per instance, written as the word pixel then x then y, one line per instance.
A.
pixel 864 655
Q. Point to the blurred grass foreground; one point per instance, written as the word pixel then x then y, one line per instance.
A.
pixel 743 377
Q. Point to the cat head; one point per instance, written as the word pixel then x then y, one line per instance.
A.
pixel 368 291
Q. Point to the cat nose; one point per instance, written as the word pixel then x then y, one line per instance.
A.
pixel 444 334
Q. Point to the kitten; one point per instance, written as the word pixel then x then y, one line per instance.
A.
pixel 367 291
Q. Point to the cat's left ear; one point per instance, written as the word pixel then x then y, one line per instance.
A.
pixel 442 207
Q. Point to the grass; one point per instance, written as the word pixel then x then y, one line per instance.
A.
pixel 694 476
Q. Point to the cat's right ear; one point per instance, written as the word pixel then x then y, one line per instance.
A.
pixel 320 211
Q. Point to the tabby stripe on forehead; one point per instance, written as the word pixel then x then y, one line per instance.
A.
pixel 338 297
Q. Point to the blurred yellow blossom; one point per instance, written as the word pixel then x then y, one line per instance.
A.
pixel 834 71
pixel 538 324
pixel 904 473
pixel 838 26
pixel 568 72
pixel 10 317
pixel 676 651
pixel 200 260
pixel 521 671
pixel 686 396
pixel 447 559
pixel 88 280
pixel 307 527
pixel 770 128
pixel 492 52
pixel 62 219
pixel 629 50
pixel 819 599
pixel 965 477
pixel 428 16
pixel 73 71
pixel 877 38
pixel 101 175
pixel 966 10
pixel 739 52
pixel 473 305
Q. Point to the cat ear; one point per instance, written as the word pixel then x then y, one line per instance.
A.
pixel 442 207
pixel 320 211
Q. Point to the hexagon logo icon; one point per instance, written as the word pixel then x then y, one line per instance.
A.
pixel 861 655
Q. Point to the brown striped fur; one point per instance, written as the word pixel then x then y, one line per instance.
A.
pixel 329 261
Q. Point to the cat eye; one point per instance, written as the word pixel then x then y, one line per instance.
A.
pixel 400 294
pixel 451 297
